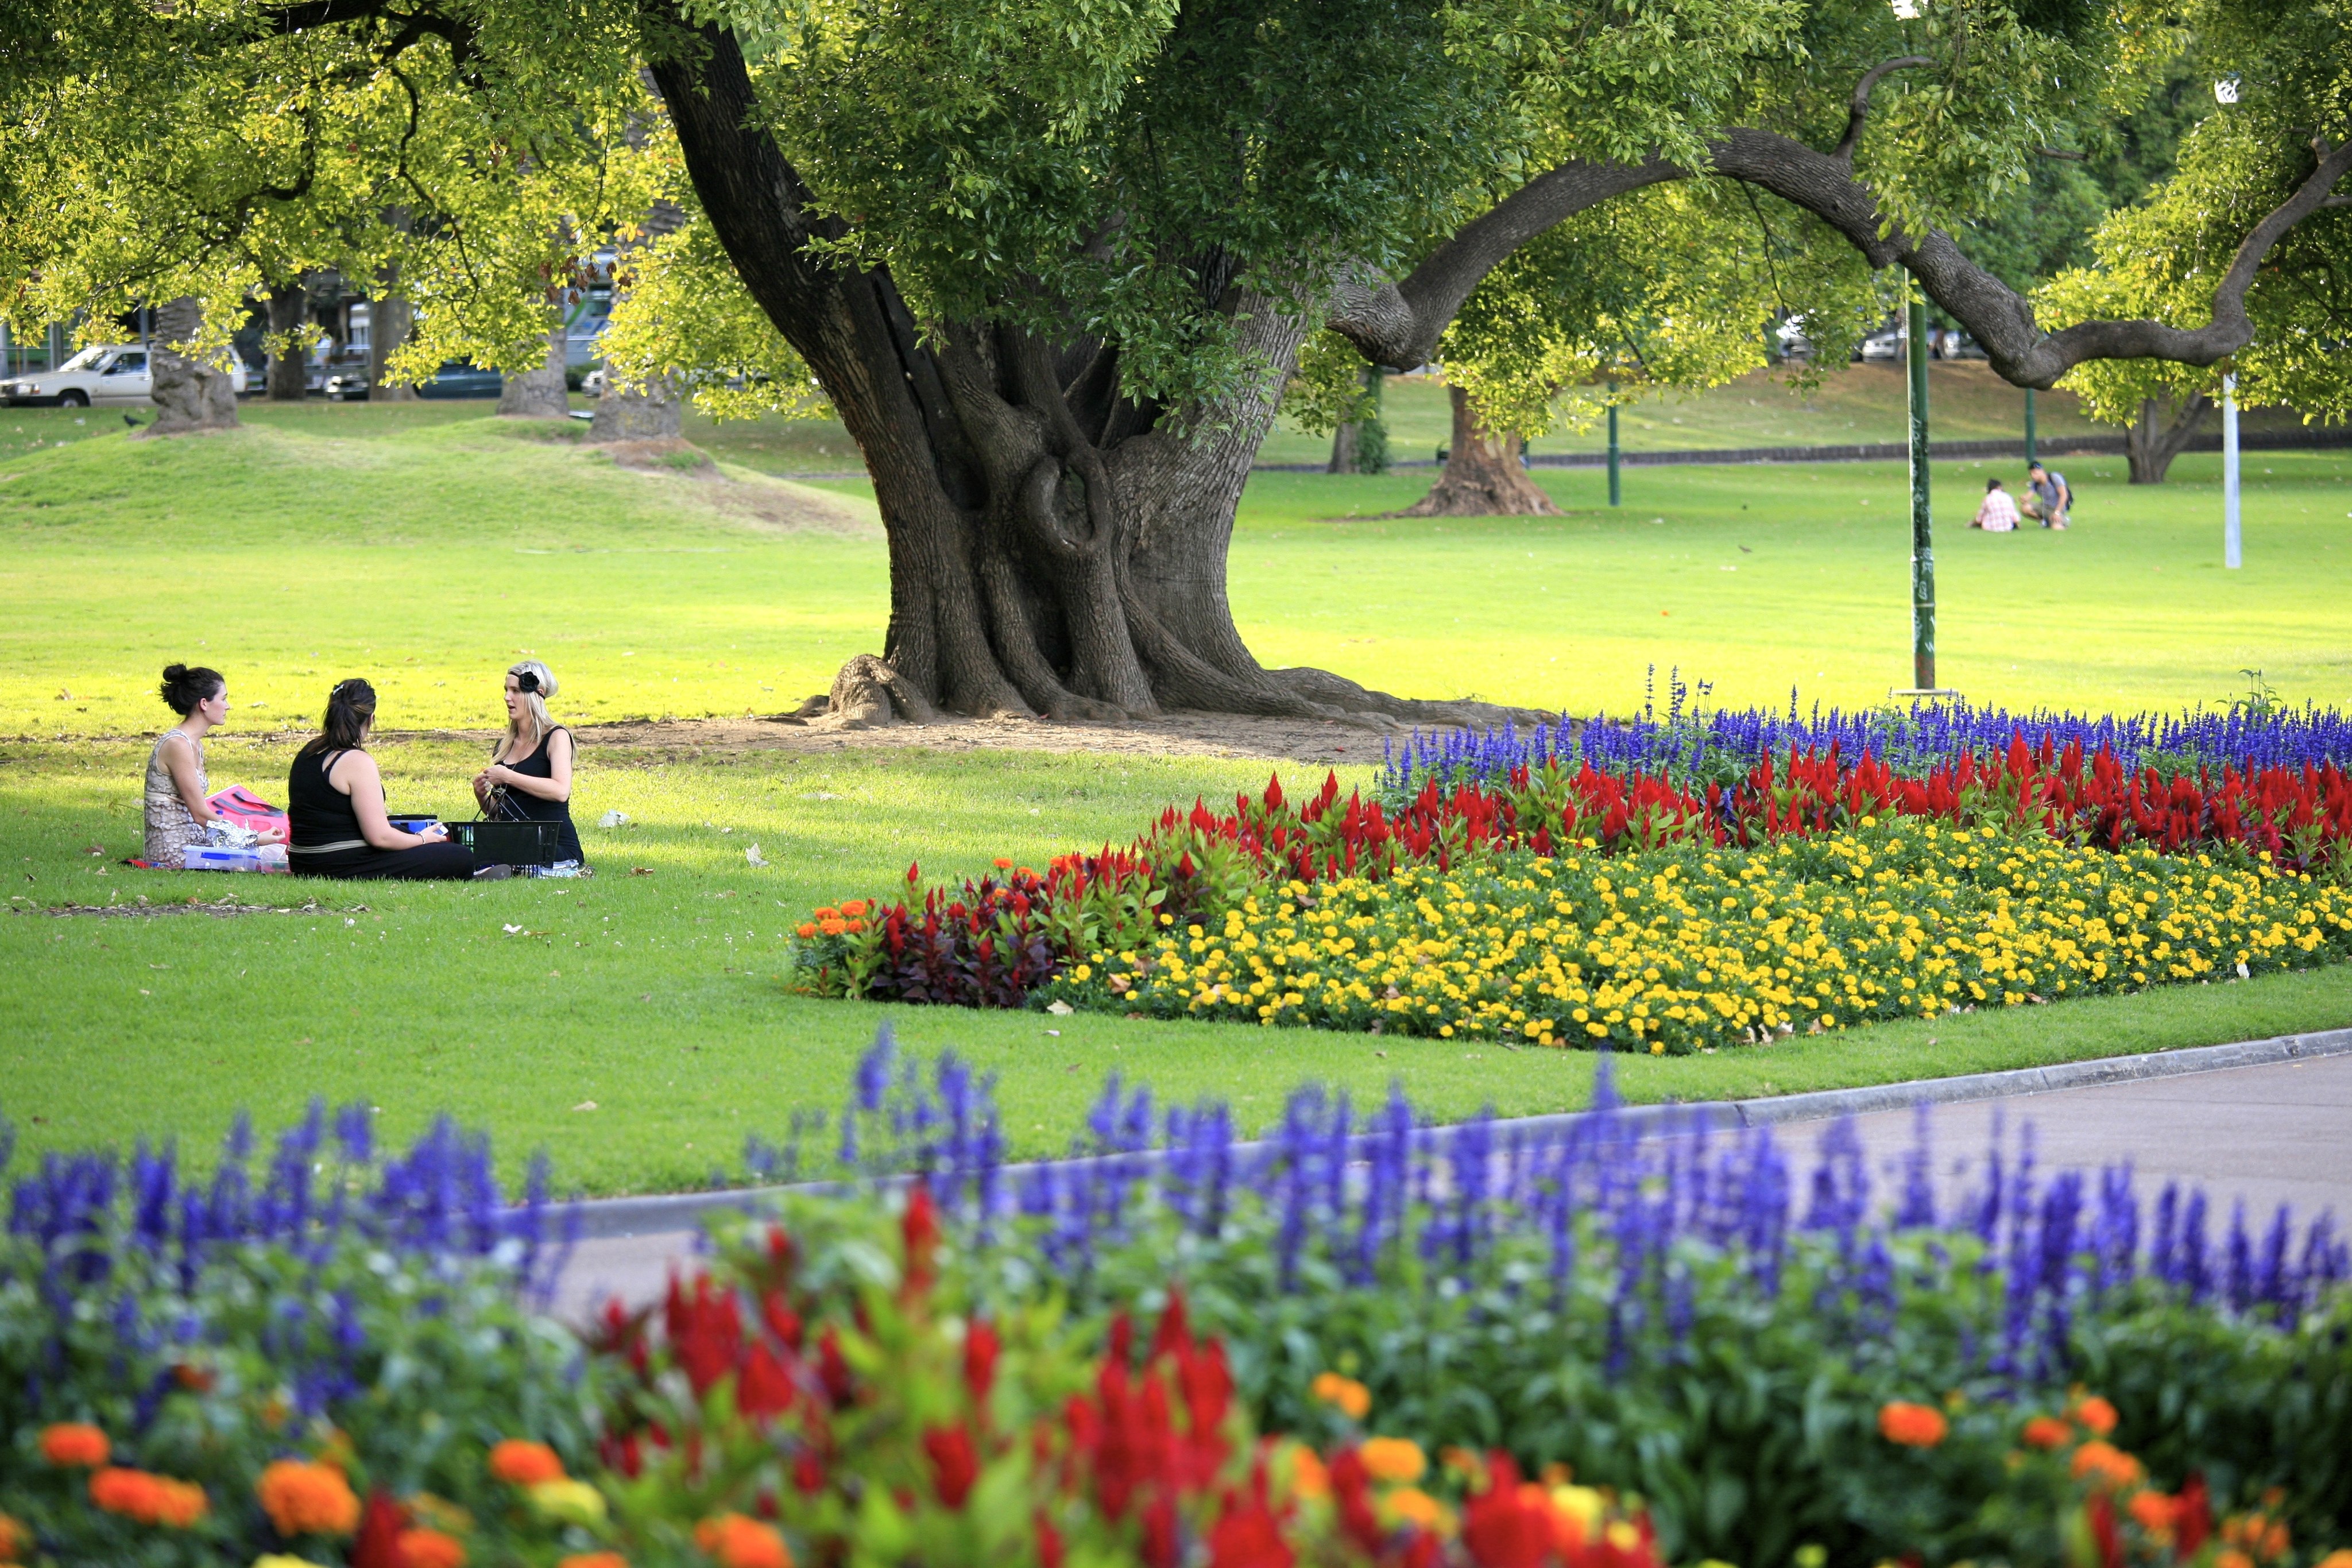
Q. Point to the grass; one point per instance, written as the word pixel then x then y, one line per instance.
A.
pixel 427 546
pixel 659 999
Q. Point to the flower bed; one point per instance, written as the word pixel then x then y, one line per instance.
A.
pixel 1567 1346
pixel 2204 873
pixel 1672 950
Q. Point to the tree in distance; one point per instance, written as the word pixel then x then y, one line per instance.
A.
pixel 1051 262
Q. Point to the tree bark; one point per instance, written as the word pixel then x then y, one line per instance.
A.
pixel 190 395
pixel 389 319
pixel 1343 450
pixel 2158 436
pixel 540 392
pixel 1483 477
pixel 1056 548
pixel 287 375
pixel 652 412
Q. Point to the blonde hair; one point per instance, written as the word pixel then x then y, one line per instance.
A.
pixel 533 703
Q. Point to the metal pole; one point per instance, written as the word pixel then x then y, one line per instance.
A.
pixel 2029 453
pixel 1616 491
pixel 2231 557
pixel 1923 555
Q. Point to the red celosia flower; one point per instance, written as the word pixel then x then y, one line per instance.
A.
pixel 306 1498
pixel 1159 1542
pixel 783 1322
pixel 2100 1512
pixel 919 1228
pixel 2192 1517
pixel 1912 1425
pixel 1247 1535
pixel 954 1467
pixel 1049 1542
pixel 74 1443
pixel 1351 1488
pixel 832 1367
pixel 764 1390
pixel 422 1548
pixel 1502 1528
pixel 380 1522
pixel 980 1348
pixel 706 1332
pixel 524 1464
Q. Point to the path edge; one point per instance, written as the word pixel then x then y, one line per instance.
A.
pixel 604 1219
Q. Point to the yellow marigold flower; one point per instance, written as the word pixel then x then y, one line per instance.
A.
pixel 1351 1397
pixel 1394 1458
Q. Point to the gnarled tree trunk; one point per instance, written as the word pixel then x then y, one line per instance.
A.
pixel 540 392
pixel 1483 477
pixel 1055 547
pixel 190 395
pixel 2156 437
pixel 286 378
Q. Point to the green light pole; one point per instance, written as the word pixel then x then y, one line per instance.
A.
pixel 1616 492
pixel 2029 453
pixel 1922 554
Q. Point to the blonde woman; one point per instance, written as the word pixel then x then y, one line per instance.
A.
pixel 530 775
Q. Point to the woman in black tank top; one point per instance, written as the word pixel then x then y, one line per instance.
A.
pixel 530 775
pixel 334 807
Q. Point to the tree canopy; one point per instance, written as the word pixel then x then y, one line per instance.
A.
pixel 1051 259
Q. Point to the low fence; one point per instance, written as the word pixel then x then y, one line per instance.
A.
pixel 1886 451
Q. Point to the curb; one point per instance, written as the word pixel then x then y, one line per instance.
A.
pixel 614 1218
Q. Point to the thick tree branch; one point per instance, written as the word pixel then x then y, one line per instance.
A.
pixel 1397 324
pixel 1858 108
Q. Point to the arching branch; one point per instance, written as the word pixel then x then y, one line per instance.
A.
pixel 1858 109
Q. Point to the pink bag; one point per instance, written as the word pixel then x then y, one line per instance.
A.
pixel 242 807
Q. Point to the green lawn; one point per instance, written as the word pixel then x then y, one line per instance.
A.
pixel 427 546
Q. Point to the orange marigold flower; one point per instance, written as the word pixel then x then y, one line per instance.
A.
pixel 75 1444
pixel 854 925
pixel 424 1548
pixel 2153 1510
pixel 593 1559
pixel 2096 1414
pixel 2274 1540
pixel 149 1499
pixel 15 1541
pixel 2109 1465
pixel 833 928
pixel 853 908
pixel 2048 1432
pixel 1414 1506
pixel 524 1463
pixel 2340 1558
pixel 1354 1400
pixel 1003 864
pixel 808 928
pixel 306 1498
pixel 1394 1458
pixel 2233 1558
pixel 1309 1477
pixel 1912 1425
pixel 734 1541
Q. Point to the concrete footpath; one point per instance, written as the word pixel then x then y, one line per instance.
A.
pixel 2281 1133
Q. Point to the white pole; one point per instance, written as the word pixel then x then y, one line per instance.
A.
pixel 2231 555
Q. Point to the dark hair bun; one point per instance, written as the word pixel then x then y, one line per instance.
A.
pixel 184 687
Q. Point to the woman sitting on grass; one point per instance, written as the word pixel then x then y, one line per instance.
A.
pixel 334 805
pixel 530 776
pixel 178 814
pixel 1998 514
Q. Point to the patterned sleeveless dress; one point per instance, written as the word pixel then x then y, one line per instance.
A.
pixel 170 829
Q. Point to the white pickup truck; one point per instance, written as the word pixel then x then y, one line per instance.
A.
pixel 100 374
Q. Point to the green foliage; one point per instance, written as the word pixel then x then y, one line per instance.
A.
pixel 682 313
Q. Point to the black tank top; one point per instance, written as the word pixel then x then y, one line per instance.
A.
pixel 530 808
pixel 317 816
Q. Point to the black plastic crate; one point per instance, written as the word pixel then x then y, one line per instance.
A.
pixel 510 843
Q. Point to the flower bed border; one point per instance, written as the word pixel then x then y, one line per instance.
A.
pixel 612 1219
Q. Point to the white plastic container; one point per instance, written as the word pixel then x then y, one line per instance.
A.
pixel 215 857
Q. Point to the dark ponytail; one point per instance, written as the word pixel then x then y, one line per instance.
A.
pixel 184 688
pixel 351 707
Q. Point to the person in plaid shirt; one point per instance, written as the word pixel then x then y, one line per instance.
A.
pixel 1998 515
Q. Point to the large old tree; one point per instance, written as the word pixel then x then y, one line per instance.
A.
pixel 1053 261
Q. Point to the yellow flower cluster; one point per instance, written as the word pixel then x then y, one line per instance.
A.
pixel 1680 948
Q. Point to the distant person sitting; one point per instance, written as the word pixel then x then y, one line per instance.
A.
pixel 2047 496
pixel 530 776
pixel 1998 515
pixel 177 813
pixel 335 809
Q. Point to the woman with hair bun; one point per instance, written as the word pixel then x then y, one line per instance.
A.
pixel 530 775
pixel 177 813
pixel 335 809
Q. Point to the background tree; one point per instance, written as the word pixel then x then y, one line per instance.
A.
pixel 1051 261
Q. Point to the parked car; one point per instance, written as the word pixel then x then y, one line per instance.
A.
pixel 1885 345
pixel 1794 344
pixel 593 383
pixel 103 373
pixel 458 379
pixel 346 386
pixel 1960 346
